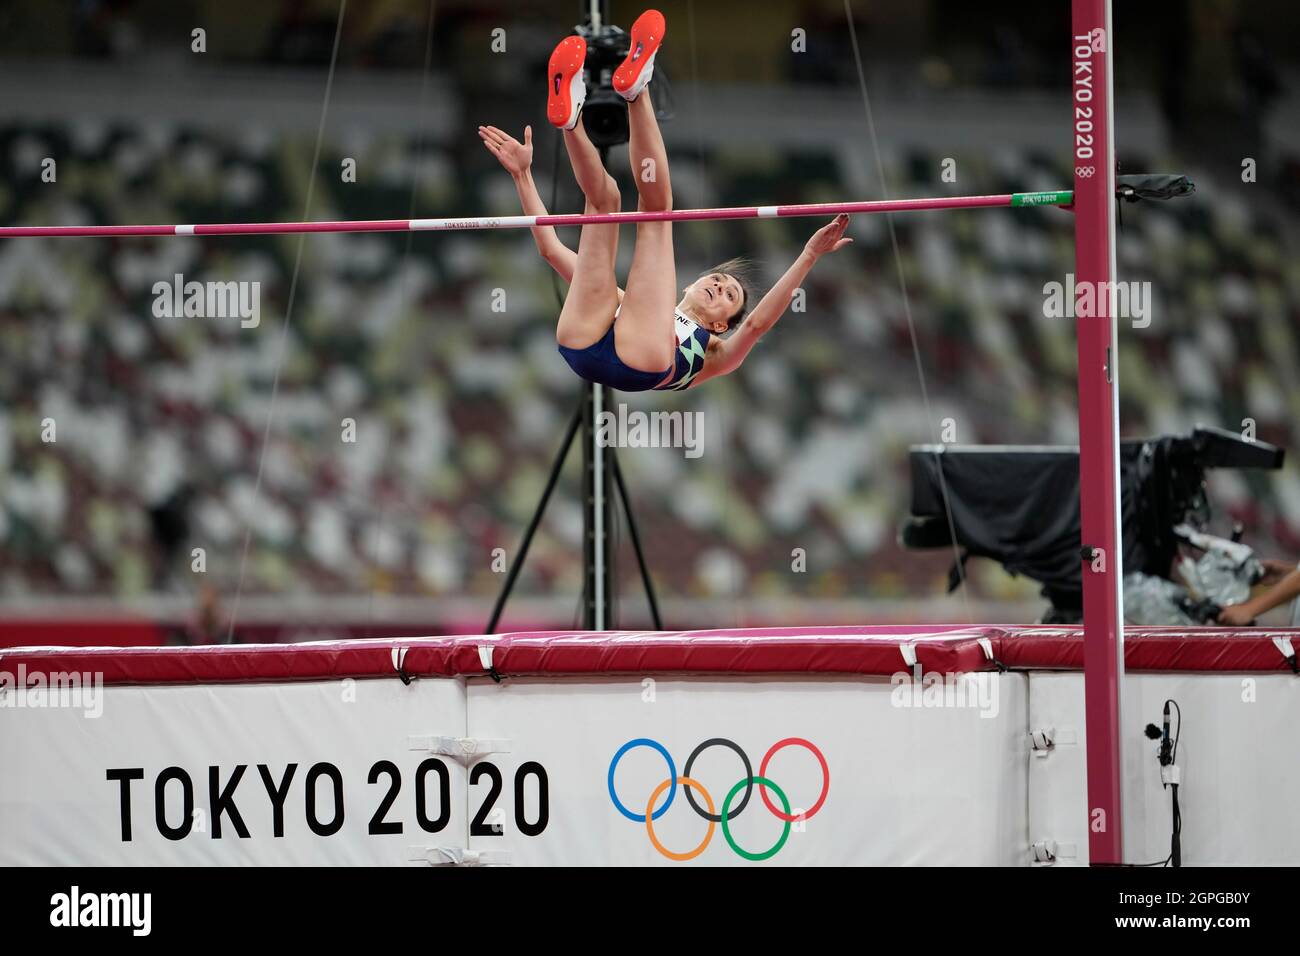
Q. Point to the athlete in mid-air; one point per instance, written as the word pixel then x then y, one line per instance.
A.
pixel 643 337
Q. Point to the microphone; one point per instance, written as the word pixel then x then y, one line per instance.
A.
pixel 1166 747
pixel 1170 776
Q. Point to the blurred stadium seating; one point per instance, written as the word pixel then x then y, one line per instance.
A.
pixel 160 422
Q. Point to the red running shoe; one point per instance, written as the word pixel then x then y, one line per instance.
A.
pixel 566 90
pixel 647 36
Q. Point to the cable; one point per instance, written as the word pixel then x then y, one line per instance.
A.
pixel 1176 837
pixel 422 149
pixel 737 570
pixel 1179 732
pixel 615 526
pixel 282 345
pixel 907 312
pixel 559 301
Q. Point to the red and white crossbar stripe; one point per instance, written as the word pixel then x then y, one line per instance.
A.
pixel 1062 198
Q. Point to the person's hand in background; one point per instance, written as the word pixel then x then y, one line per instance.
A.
pixel 1275 570
pixel 1237 615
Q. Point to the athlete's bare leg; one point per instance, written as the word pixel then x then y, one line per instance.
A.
pixel 643 334
pixel 589 306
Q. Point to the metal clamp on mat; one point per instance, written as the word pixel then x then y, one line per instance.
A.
pixel 986 645
pixel 485 658
pixel 399 658
pixel 462 748
pixel 456 856
pixel 1048 852
pixel 1284 646
pixel 1046 739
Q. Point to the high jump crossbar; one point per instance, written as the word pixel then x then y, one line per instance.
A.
pixel 1046 198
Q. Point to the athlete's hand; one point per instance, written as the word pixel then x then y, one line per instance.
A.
pixel 829 237
pixel 515 156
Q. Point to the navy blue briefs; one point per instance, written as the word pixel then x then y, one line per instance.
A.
pixel 600 363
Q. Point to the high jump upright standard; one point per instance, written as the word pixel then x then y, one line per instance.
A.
pixel 1093 159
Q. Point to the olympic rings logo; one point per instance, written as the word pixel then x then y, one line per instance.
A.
pixel 727 813
pixel 1085 172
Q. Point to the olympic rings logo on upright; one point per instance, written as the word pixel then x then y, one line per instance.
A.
pixel 727 814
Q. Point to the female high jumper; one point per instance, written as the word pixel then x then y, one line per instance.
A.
pixel 642 338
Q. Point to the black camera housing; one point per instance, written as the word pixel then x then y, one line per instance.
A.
pixel 604 115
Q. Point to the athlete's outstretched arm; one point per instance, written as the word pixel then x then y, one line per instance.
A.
pixel 732 350
pixel 517 159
